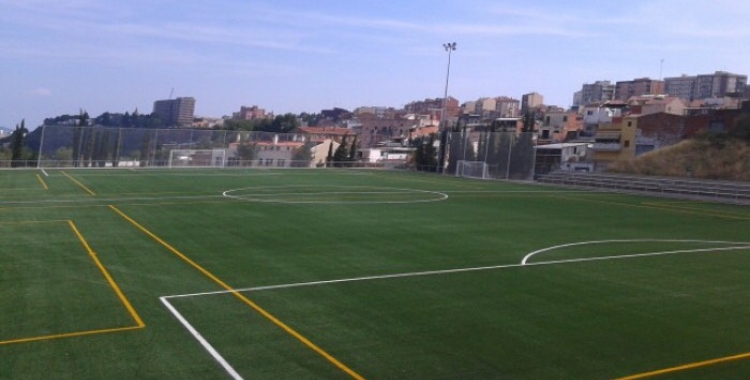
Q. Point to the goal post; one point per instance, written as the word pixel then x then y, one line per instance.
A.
pixel 197 158
pixel 472 169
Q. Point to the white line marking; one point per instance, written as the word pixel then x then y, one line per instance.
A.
pixel 528 256
pixel 472 269
pixel 211 350
pixel 45 173
pixel 378 190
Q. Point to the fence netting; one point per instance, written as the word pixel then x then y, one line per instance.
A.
pixel 507 155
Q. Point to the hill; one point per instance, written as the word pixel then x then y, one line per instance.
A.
pixel 705 157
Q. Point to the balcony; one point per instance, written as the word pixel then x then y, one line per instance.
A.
pixel 607 147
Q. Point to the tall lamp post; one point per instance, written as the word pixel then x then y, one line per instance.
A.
pixel 449 47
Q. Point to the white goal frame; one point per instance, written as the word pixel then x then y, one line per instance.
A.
pixel 472 169
pixel 197 158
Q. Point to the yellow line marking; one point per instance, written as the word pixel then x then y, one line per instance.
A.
pixel 684 367
pixel 244 299
pixel 82 186
pixel 41 180
pixel 109 278
pixel 69 335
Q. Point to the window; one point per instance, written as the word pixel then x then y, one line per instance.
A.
pixel 281 162
pixel 269 161
pixel 626 143
pixel 565 119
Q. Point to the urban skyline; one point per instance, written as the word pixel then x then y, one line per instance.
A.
pixel 293 56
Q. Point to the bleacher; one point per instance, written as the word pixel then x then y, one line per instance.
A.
pixel 717 191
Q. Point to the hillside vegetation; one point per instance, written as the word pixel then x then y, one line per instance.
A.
pixel 698 158
pixel 722 156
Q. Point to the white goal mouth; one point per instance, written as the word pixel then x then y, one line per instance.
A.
pixel 197 158
pixel 472 169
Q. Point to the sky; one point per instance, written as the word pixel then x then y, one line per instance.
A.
pixel 59 57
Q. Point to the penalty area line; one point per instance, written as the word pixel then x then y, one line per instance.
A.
pixel 203 342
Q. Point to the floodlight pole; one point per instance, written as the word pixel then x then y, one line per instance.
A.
pixel 449 47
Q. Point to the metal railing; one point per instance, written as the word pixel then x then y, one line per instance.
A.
pixel 718 191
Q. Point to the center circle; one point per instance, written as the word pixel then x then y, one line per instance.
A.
pixel 305 194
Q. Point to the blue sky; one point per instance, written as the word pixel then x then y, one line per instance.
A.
pixel 58 57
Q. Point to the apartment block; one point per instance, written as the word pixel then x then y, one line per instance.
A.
pixel 719 84
pixel 597 92
pixel 176 112
pixel 705 86
pixel 624 90
pixel 530 101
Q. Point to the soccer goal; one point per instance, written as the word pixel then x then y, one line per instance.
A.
pixel 472 169
pixel 197 158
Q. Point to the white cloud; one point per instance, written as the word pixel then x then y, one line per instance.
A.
pixel 40 92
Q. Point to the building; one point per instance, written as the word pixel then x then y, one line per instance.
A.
pixel 374 131
pixel 649 104
pixel 681 87
pixel 509 107
pixel 597 92
pixel 320 152
pixel 595 115
pixel 320 134
pixel 719 84
pixel 615 141
pixel 704 86
pixel 434 107
pixel 175 112
pixel 625 90
pixel 556 126
pixel 529 102
pixel 568 156
pixel 251 113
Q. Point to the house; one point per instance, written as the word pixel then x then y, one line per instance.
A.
pixel 650 104
pixel 321 134
pixel 320 152
pixel 564 156
pixel 556 126
pixel 615 141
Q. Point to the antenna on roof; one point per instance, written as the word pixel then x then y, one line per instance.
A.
pixel 171 93
pixel 661 65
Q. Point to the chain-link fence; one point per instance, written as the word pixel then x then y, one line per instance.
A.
pixel 507 155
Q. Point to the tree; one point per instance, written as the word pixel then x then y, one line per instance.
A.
pixel 16 145
pixel 341 155
pixel 329 157
pixel 247 152
pixel 302 156
pixel 353 150
pixel 79 137
pixel 425 154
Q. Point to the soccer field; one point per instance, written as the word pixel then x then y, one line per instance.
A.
pixel 363 274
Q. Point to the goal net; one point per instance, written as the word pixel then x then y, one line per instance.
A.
pixel 472 169
pixel 197 158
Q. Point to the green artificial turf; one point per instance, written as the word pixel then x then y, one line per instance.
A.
pixel 360 273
